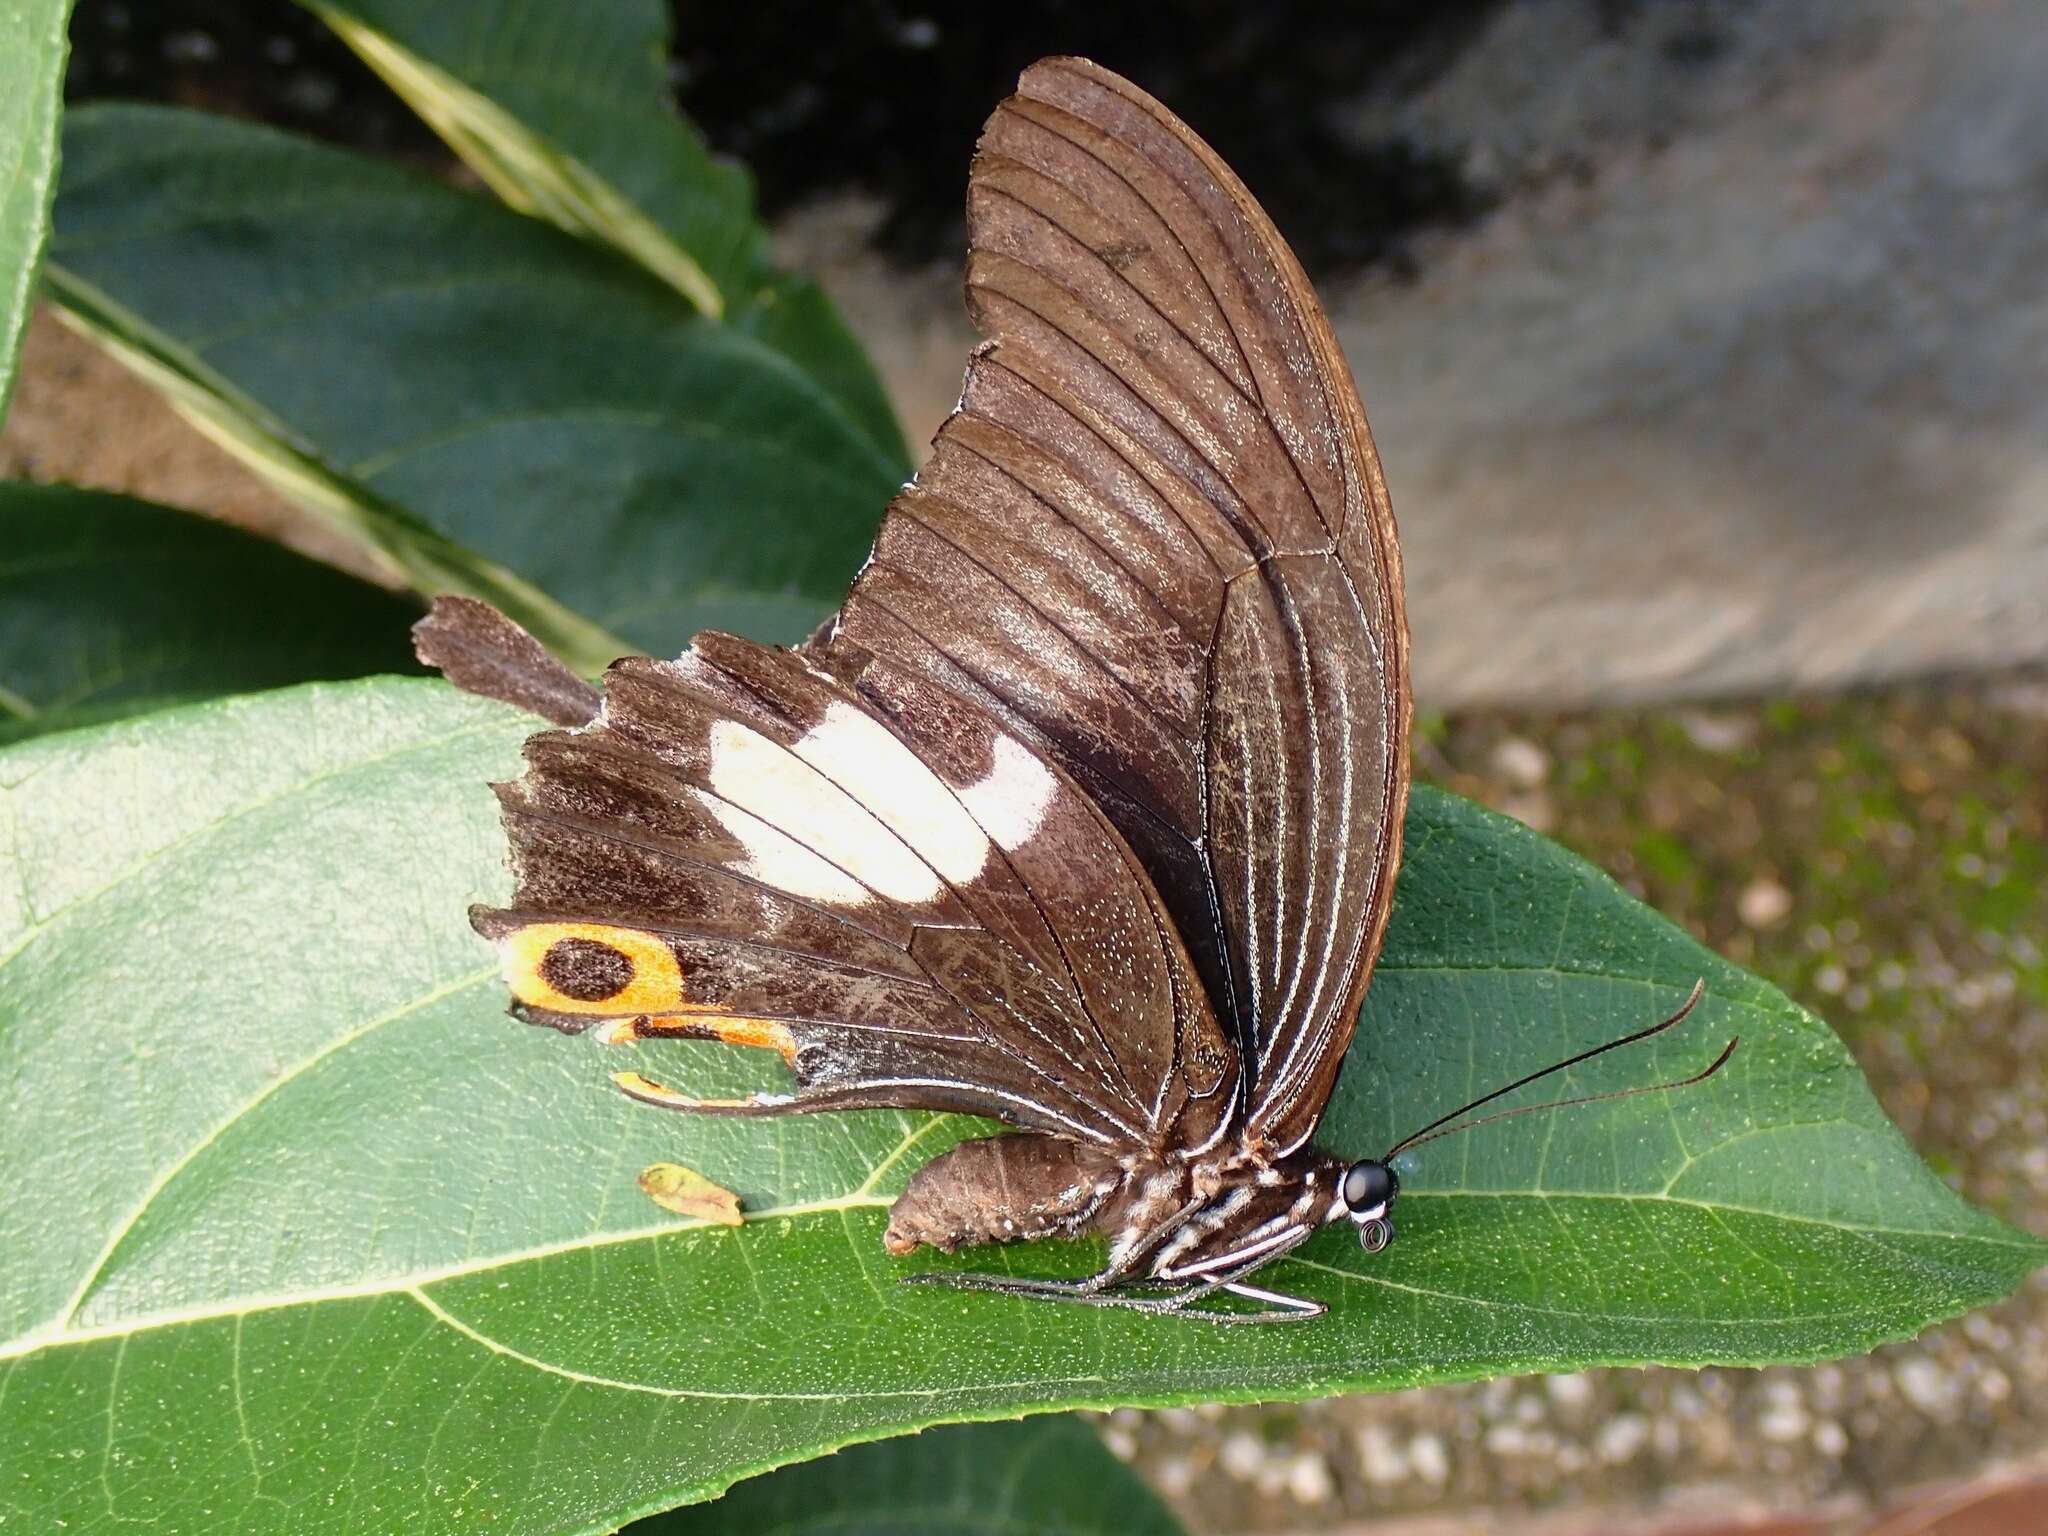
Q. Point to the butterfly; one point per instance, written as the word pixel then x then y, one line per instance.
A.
pixel 1083 813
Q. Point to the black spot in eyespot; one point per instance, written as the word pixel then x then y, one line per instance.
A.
pixel 586 970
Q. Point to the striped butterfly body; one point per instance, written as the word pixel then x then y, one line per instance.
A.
pixel 1084 812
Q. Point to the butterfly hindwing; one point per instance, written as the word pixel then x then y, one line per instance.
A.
pixel 853 869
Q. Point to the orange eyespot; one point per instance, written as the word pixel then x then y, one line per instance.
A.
pixel 627 976
pixel 591 968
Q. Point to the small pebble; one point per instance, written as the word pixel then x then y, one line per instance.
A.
pixel 1830 1439
pixel 1174 1476
pixel 1667 1439
pixel 1764 903
pixel 1923 1384
pixel 1827 1382
pixel 1432 1463
pixel 192 47
pixel 1507 1439
pixel 1783 1423
pixel 1309 1480
pixel 1717 733
pixel 1380 1457
pixel 1521 762
pixel 1242 1456
pixel 1569 1391
pixel 1622 1438
pixel 1535 809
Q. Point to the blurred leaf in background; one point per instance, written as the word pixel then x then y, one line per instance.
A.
pixel 111 606
pixel 32 52
pixel 616 422
pixel 564 113
pixel 1050 1477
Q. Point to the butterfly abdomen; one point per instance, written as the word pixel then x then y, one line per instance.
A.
pixel 1001 1189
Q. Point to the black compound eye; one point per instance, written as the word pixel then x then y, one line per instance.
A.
pixel 1375 1234
pixel 1367 1185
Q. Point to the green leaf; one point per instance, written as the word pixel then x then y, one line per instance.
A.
pixel 111 606
pixel 307 1236
pixel 1050 1477
pixel 436 374
pixel 562 108
pixel 32 50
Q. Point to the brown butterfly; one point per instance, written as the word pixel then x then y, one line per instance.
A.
pixel 1083 814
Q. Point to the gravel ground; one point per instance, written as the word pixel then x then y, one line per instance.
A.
pixel 1880 857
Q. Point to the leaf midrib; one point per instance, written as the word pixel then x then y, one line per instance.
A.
pixel 865 1198
pixel 270 1087
pixel 861 1198
pixel 754 351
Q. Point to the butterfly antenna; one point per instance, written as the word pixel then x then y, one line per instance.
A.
pixel 1441 1126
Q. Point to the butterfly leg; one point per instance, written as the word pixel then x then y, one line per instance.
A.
pixel 1011 1285
pixel 1114 1285
pixel 1226 1272
pixel 1282 1307
pixel 1177 1297
pixel 1278 1306
pixel 1095 1290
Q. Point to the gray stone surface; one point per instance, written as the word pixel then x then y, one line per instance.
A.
pixel 1744 385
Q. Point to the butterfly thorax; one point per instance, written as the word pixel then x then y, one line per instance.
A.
pixel 1245 1211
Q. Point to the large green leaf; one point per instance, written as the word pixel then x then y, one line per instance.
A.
pixel 111 606
pixel 32 50
pixel 436 374
pixel 305 1235
pixel 1048 1477
pixel 562 108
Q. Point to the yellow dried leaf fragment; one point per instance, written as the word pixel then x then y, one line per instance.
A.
pixel 688 1193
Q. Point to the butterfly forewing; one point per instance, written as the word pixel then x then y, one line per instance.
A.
pixel 1154 541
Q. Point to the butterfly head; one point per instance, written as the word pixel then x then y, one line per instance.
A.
pixel 1367 1190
